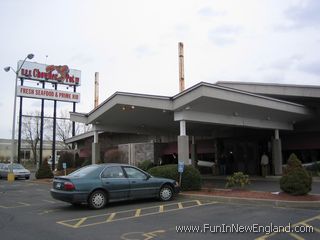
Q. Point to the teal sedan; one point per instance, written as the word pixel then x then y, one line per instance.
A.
pixel 98 184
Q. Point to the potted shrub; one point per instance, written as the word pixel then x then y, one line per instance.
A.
pixel 237 181
pixel 296 180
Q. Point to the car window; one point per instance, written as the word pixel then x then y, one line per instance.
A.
pixel 134 173
pixel 113 172
pixel 17 166
pixel 85 171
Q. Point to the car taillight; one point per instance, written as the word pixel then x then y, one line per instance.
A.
pixel 69 186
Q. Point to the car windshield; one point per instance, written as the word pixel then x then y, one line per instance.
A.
pixel 84 171
pixel 17 166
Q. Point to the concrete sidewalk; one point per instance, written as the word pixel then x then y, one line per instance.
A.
pixel 268 184
pixel 254 201
pixel 212 185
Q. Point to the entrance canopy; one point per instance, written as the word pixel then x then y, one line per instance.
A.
pixel 203 106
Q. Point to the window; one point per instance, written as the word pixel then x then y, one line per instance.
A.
pixel 113 172
pixel 27 155
pixel 134 173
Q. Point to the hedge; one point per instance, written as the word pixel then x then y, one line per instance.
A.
pixel 191 179
pixel 145 165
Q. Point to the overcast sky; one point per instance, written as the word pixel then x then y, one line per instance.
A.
pixel 134 44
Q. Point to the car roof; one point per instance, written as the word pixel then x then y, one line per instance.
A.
pixel 114 164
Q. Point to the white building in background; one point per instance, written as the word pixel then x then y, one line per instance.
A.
pixel 26 151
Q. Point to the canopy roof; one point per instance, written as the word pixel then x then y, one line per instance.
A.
pixel 203 106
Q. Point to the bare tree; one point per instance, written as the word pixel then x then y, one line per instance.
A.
pixel 64 128
pixel 31 131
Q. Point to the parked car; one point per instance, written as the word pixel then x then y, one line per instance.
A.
pixel 96 185
pixel 18 170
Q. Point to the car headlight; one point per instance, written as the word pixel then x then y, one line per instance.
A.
pixel 176 184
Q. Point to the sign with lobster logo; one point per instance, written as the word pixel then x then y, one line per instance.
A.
pixel 50 73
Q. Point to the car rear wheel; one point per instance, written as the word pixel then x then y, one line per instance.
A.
pixel 97 199
pixel 166 193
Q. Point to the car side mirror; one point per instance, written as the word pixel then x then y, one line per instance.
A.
pixel 148 176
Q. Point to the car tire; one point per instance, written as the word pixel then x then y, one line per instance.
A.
pixel 165 193
pixel 97 199
pixel 27 178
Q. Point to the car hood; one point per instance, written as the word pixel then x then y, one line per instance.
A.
pixel 21 171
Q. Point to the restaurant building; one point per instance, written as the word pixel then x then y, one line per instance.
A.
pixel 240 120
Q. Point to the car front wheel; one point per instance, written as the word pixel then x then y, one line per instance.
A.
pixel 97 199
pixel 166 193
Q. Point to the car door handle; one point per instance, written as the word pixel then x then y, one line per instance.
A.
pixel 133 181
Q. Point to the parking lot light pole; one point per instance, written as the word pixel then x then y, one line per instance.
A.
pixel 7 69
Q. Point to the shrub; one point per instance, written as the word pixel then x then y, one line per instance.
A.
pixel 78 161
pixel 296 180
pixel 65 157
pixel 237 180
pixel 191 179
pixel 86 162
pixel 62 172
pixel 145 165
pixel 44 170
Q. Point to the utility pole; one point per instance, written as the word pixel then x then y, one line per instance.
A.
pixel 96 89
pixel 181 67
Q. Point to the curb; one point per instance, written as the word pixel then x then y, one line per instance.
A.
pixel 268 178
pixel 258 202
pixel 42 182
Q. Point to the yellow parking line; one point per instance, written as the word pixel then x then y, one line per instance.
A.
pixel 264 237
pixel 48 211
pixel 161 208
pixel 295 236
pixel 152 235
pixel 79 222
pixel 308 220
pixel 138 212
pixel 23 203
pixel 314 228
pixel 110 218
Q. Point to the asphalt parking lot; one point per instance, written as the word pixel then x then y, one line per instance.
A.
pixel 28 212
